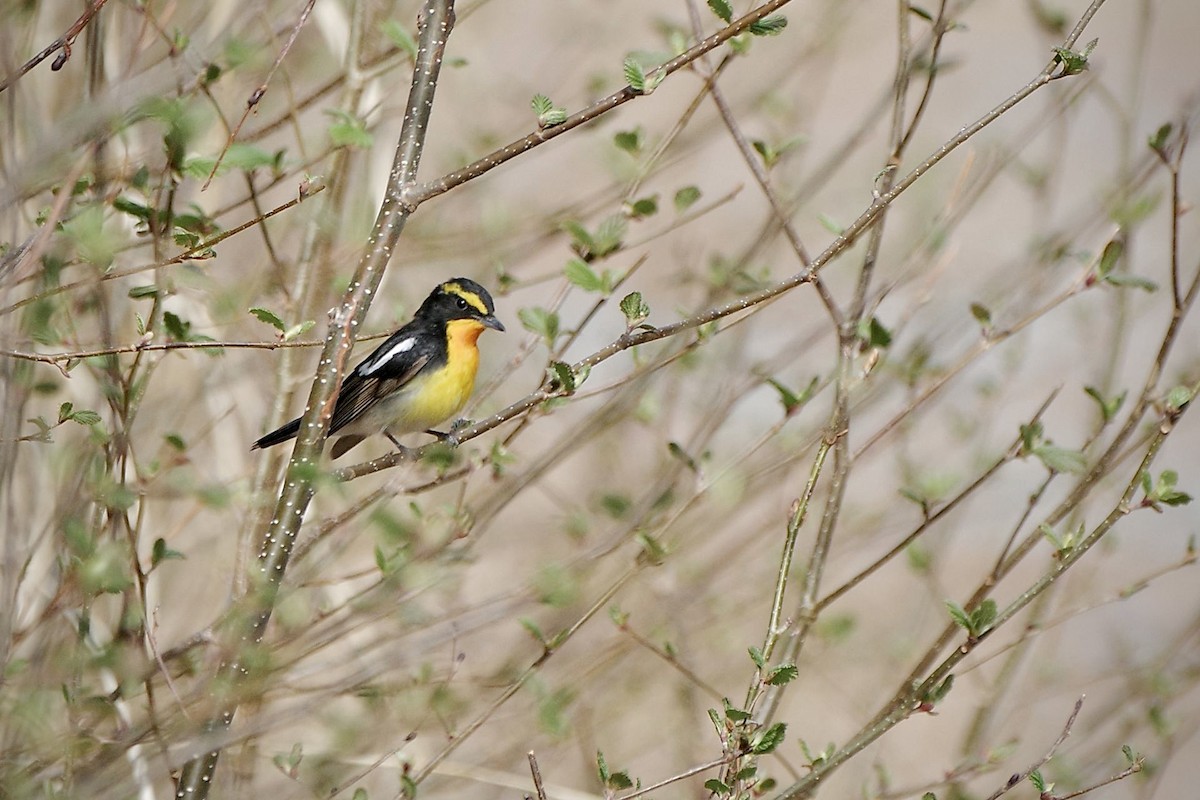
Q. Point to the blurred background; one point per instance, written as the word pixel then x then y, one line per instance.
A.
pixel 646 515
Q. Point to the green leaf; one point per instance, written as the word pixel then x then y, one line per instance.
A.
pixel 581 239
pixel 1060 459
pixel 920 12
pixel 1159 140
pixel 769 26
pixel 141 292
pixel 602 767
pixel 644 207
pixel 629 141
pixel 269 317
pixel 610 234
pixel 939 692
pixel 548 114
pixel 635 309
pixel 1074 62
pixel 766 741
pixel 1031 435
pixel 532 629
pixel 540 321
pixel 982 315
pixel 686 197
pixel 982 617
pixel 399 36
pixel 652 550
pixel 1039 783
pixel 85 417
pixel 876 335
pixel 1110 257
pixel 635 76
pixel 1108 407
pixel 722 9
pixel 64 412
pixel 299 329
pixel 161 552
pixel 541 104
pixel 347 130
pixel 132 208
pixel 958 615
pixel 781 675
pixel 1178 398
pixel 712 784
pixel 757 657
pixel 248 157
pixel 619 781
pixel 735 715
pixel 1125 281
pixel 831 225
pixel 562 376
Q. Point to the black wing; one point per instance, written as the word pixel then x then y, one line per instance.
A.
pixel 389 367
pixel 386 370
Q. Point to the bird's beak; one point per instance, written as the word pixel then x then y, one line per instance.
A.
pixel 490 321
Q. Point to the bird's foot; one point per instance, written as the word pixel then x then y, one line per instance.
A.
pixel 405 452
pixel 450 437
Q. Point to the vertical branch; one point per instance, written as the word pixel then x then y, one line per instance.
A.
pixel 435 22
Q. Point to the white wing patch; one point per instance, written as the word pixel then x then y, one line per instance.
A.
pixel 402 346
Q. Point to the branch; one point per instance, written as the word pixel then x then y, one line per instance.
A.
pixel 1062 737
pixel 436 20
pixel 63 43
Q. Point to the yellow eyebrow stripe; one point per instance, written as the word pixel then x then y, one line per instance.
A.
pixel 451 287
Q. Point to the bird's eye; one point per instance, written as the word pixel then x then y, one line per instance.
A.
pixel 461 303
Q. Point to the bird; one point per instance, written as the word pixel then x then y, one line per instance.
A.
pixel 418 378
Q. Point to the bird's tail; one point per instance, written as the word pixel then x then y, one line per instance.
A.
pixel 281 434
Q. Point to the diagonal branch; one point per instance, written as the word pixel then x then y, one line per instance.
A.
pixel 436 20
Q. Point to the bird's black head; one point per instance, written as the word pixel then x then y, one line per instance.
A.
pixel 460 298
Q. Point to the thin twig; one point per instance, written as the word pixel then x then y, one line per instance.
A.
pixel 1016 779
pixel 63 43
pixel 257 95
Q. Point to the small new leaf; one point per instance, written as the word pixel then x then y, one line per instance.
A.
pixel 983 616
pixel 161 552
pixel 399 36
pixel 769 26
pixel 562 376
pixel 1110 257
pixel 540 321
pixel 782 674
pixel 629 141
pixel 1158 142
pixel 583 276
pixel 1108 406
pixel 1060 459
pixel 1126 281
pixel 635 76
pixel 1074 62
pixel 1178 398
pixel 269 317
pixel 722 9
pixel 1038 781
pixel 635 309
pixel 548 114
pixel 85 417
pixel 686 197
pixel 766 741
pixel 959 616
pixel 756 656
pixel 982 315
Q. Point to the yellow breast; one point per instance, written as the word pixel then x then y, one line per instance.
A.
pixel 443 394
